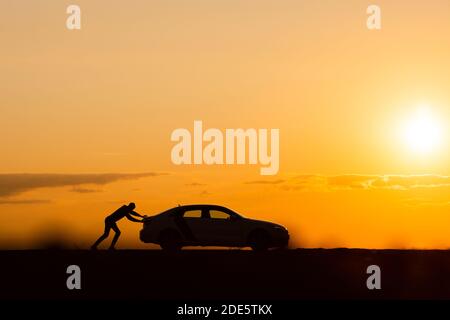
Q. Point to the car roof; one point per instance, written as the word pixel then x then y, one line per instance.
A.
pixel 201 206
pixel 181 209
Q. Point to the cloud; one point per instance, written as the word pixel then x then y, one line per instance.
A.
pixel 423 202
pixel 320 183
pixel 195 184
pixel 306 183
pixel 393 182
pixel 25 201
pixel 12 184
pixel 84 190
pixel 265 182
pixel 411 182
pixel 352 181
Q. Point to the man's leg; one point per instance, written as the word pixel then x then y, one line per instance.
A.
pixel 102 237
pixel 116 236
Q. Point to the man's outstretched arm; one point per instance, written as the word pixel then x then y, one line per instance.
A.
pixel 129 217
pixel 134 213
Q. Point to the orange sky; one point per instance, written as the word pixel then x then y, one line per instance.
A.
pixel 106 98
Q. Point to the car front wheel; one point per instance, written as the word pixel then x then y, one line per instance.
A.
pixel 170 240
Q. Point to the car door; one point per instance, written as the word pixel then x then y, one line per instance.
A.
pixel 191 224
pixel 223 229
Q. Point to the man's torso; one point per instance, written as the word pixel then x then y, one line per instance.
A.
pixel 118 214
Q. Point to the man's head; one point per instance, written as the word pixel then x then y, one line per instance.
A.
pixel 131 205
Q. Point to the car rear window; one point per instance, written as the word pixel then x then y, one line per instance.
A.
pixel 192 214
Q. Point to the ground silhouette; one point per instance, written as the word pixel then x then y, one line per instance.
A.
pixel 225 274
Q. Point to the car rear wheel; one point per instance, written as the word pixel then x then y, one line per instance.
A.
pixel 170 240
pixel 259 240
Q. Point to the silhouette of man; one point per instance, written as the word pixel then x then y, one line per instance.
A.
pixel 110 223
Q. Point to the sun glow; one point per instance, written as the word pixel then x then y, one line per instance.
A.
pixel 422 132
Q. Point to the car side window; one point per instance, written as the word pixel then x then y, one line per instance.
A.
pixel 216 214
pixel 192 214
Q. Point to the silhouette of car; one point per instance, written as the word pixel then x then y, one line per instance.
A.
pixel 211 225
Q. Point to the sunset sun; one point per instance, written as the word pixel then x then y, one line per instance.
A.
pixel 422 132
